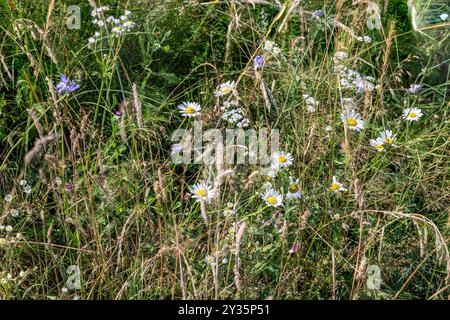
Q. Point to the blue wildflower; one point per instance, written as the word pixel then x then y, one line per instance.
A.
pixel 318 13
pixel 66 85
pixel 415 88
pixel 259 62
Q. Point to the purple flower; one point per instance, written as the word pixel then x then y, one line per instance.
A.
pixel 317 13
pixel 69 186
pixel 176 148
pixel 117 112
pixel 259 62
pixel 295 248
pixel 66 85
pixel 415 88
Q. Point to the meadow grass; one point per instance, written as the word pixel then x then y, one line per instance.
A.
pixel 89 190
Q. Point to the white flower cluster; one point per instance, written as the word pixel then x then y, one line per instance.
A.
pixel 117 25
pixel 6 277
pixel 26 187
pixel 349 78
pixel 234 115
pixel 271 47
pixel 311 103
pixel 365 39
pixel 7 236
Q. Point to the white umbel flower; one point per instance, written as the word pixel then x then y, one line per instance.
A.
pixel 201 191
pixel 189 109
pixel 412 114
pixel 352 120
pixel 272 198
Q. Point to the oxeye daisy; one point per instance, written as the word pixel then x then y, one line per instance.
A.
pixel 294 191
pixel 228 213
pixel 388 137
pixel 201 191
pixel 352 120
pixel 336 186
pixel 225 88
pixel 189 109
pixel 209 259
pixel 281 159
pixel 272 198
pixel 412 114
pixel 377 144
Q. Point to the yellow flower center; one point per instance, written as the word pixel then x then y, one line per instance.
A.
pixel 335 186
pixel 272 200
pixel 226 90
pixel 389 140
pixel 202 193
pixel 282 159
pixel 293 188
pixel 379 146
pixel 412 114
pixel 351 122
pixel 189 110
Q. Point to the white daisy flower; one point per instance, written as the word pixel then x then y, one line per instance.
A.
pixel 23 182
pixel 367 39
pixel 272 198
pixel 201 191
pixel 352 120
pixel 377 144
pixel 91 40
pixel 388 137
pixel 225 88
pixel 281 159
pixel 228 213
pixel 336 186
pixel 8 198
pixel 9 228
pixel 443 16
pixel 209 259
pixel 129 25
pixel 118 30
pixel 294 191
pixel 189 109
pixel 412 114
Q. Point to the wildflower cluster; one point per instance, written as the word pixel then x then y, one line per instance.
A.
pixel 109 23
pixel 348 78
pixel 234 115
